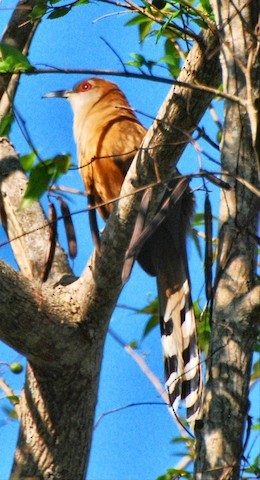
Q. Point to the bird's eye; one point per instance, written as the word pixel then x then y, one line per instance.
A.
pixel 85 86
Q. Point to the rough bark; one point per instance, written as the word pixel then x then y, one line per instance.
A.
pixel 61 329
pixel 236 301
pixel 29 248
pixel 18 34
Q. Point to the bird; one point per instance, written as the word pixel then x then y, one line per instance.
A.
pixel 108 134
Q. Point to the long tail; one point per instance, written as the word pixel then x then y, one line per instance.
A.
pixel 164 255
pixel 180 348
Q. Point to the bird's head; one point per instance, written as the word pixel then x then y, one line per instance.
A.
pixel 88 93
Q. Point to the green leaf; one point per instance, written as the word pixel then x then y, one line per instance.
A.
pixel 38 11
pixel 150 309
pixel 59 12
pixel 11 413
pixel 139 61
pixel 205 4
pixel 182 440
pixel 145 28
pixel 145 25
pixel 256 427
pixel 137 20
pixel 256 370
pixel 133 344
pixel 198 219
pixel 16 367
pixel 153 321
pixel 81 2
pixel 13 399
pixel 5 125
pixel 12 60
pixel 254 468
pixel 200 23
pixel 175 473
pixel 42 175
pixel 39 180
pixel 62 163
pixel 197 310
pixel 150 325
pixel 171 58
pixel 27 161
pixel 174 15
pixel 171 50
pixel 219 136
pixel 203 327
pixel 56 166
pixel 171 61
pixel 164 27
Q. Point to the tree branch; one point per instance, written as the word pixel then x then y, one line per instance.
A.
pixel 139 76
pixel 18 33
pixel 38 315
pixel 29 250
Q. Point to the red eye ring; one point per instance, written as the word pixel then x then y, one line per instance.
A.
pixel 84 86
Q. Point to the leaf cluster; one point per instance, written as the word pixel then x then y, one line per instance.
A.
pixel 52 10
pixel 177 23
pixel 12 60
pixel 42 175
pixel 173 473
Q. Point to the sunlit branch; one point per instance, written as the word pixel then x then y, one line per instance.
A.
pixel 210 175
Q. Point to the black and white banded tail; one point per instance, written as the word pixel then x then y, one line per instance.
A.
pixel 164 255
pixel 181 353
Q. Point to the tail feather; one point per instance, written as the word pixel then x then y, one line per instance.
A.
pixel 181 354
pixel 164 255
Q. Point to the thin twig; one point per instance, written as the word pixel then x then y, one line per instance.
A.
pixel 139 76
pixel 215 117
pixel 11 396
pixel 153 379
pixel 115 53
pixel 119 409
pixel 108 15
pixel 203 134
pixel 248 185
pixel 73 191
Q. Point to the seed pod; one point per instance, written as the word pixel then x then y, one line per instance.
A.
pixel 208 248
pixel 69 228
pixel 217 181
pixel 93 222
pixel 52 242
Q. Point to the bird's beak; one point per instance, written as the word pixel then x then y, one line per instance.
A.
pixel 58 94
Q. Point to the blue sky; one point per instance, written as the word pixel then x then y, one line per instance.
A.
pixel 133 443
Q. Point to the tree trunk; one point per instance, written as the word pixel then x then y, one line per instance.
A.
pixel 220 447
pixel 18 34
pixel 58 407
